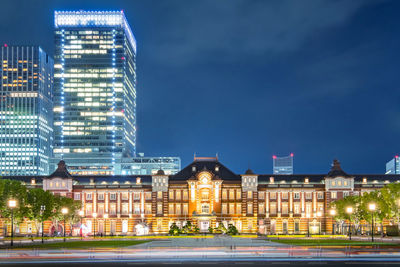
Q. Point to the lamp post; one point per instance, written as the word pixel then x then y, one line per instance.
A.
pixel 42 209
pixel 372 208
pixel 105 216
pixel 64 211
pixel 349 210
pixel 81 214
pixel 319 215
pixel 332 212
pixel 12 203
pixel 94 224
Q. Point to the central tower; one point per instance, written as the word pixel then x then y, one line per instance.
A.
pixel 94 91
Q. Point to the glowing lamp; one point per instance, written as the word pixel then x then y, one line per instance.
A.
pixel 372 206
pixel 12 203
pixel 64 211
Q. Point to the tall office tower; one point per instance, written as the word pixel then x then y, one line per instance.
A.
pixel 26 116
pixel 142 165
pixel 94 91
pixel 393 166
pixel 283 165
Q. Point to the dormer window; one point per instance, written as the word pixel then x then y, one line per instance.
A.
pixel 193 168
pixel 271 180
pixel 364 180
pixel 33 181
pixel 306 180
pixel 217 168
pixel 138 180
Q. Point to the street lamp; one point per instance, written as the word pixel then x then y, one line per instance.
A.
pixel 42 209
pixel 12 203
pixel 94 215
pixel 349 210
pixel 372 208
pixel 319 215
pixel 332 212
pixel 81 214
pixel 64 211
pixel 105 216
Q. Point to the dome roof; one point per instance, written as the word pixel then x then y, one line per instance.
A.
pixel 160 172
pixel 249 171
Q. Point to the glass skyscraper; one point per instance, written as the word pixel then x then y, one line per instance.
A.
pixel 26 117
pixel 283 165
pixel 393 166
pixel 94 91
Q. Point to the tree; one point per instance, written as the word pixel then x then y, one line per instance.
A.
pixel 232 230
pixel 37 198
pixel 174 229
pixel 73 207
pixel 13 189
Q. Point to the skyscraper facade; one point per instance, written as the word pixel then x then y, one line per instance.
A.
pixel 26 117
pixel 393 166
pixel 283 165
pixel 95 90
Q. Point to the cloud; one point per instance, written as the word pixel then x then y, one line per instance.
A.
pixel 250 28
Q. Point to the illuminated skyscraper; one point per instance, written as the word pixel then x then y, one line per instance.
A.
pixel 95 91
pixel 283 165
pixel 26 117
pixel 393 166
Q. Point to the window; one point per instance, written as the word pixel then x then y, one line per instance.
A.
pixel 238 208
pixel 346 193
pixel 224 194
pixel 88 209
pixel 124 226
pixel 238 194
pixel 320 207
pixel 100 196
pixel 333 183
pixel 261 208
pixel 147 209
pixel 284 208
pixel 284 195
pixel 178 194
pixel 272 195
pixel 185 209
pixel 345 183
pixel 113 196
pixel 100 210
pixel 205 208
pixel 136 195
pixel 136 208
pixel 185 195
pixel 77 196
pixel 224 208
pixel 159 208
pixel 113 209
pixel 296 226
pixel 250 208
pixel 296 208
pixel 159 195
pixel 320 195
pixel 273 208
pixel 308 208
pixel 308 195
pixel 296 195
pixel 249 194
pixel 89 196
pixel 124 196
pixel 339 183
pixel 231 194
pixel 148 195
pixel 231 208
pixel 178 209
pixel 124 208
pixel 261 195
pixel 171 194
pixel 171 208
pixel 204 195
pixel 333 195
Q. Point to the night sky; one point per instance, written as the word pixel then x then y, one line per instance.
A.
pixel 250 79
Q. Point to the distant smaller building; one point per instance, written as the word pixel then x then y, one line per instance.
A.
pixel 150 165
pixel 393 166
pixel 283 165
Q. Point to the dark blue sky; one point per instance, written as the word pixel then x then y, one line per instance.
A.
pixel 249 79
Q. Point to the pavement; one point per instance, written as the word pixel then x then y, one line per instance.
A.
pixel 221 250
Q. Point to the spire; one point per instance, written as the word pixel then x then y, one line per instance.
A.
pixel 336 170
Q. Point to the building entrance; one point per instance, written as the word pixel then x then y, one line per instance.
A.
pixel 204 225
